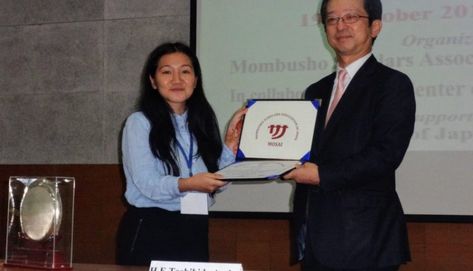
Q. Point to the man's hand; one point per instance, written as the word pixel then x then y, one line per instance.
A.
pixel 307 173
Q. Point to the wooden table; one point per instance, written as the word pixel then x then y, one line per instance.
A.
pixel 81 267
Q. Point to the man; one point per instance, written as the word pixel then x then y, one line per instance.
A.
pixel 345 199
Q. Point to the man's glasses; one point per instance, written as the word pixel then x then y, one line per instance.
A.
pixel 347 18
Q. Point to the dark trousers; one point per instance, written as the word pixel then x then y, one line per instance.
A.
pixel 147 234
pixel 315 266
pixel 310 263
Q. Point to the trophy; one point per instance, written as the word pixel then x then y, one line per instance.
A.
pixel 40 222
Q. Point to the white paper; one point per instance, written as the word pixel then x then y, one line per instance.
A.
pixel 278 129
pixel 170 265
pixel 195 203
pixel 261 169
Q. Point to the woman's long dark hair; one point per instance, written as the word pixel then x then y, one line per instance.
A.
pixel 200 115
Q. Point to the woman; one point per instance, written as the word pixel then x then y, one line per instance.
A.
pixel 170 147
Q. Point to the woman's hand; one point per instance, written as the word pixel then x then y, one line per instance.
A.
pixel 202 182
pixel 232 136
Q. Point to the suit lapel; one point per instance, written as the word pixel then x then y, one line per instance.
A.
pixel 354 90
pixel 326 88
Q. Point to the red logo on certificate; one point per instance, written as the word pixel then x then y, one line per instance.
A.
pixel 277 130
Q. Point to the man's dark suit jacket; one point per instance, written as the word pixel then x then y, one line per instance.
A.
pixel 355 218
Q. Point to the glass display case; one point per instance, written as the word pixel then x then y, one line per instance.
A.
pixel 40 222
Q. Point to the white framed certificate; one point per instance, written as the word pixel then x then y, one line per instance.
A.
pixel 276 135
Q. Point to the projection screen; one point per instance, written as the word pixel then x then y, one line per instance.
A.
pixel 273 49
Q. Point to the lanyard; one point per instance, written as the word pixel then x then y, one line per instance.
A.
pixel 189 156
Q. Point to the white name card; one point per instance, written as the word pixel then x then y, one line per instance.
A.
pixel 193 266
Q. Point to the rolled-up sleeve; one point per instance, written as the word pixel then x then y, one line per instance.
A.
pixel 226 158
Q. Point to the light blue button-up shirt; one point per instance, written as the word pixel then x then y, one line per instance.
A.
pixel 147 183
